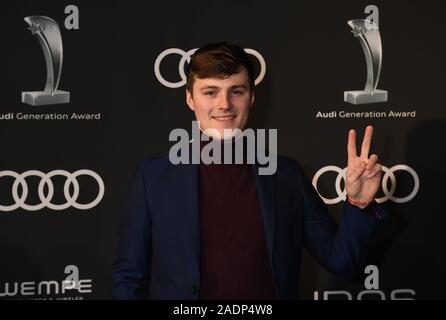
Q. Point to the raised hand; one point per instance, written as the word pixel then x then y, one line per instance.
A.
pixel 363 172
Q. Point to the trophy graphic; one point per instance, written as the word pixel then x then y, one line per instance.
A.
pixel 368 34
pixel 47 32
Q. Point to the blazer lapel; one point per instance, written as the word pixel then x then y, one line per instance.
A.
pixel 266 193
pixel 187 204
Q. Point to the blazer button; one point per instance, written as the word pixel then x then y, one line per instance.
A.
pixel 194 289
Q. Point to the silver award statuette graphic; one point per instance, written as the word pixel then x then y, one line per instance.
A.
pixel 368 34
pixel 47 32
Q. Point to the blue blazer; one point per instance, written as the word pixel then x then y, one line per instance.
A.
pixel 159 235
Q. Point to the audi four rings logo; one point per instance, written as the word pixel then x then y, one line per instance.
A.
pixel 186 56
pixel 45 200
pixel 389 173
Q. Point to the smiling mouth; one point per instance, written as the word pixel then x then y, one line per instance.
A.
pixel 224 118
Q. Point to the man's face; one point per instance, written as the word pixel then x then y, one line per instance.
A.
pixel 221 103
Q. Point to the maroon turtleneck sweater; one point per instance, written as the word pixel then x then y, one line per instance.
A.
pixel 234 258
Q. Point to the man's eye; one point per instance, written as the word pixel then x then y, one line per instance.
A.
pixel 238 92
pixel 210 93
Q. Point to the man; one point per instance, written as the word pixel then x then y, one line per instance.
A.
pixel 222 231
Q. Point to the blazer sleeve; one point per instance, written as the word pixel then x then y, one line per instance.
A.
pixel 341 250
pixel 130 270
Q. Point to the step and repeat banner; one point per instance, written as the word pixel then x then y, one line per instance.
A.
pixel 90 88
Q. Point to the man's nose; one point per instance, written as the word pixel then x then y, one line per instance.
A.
pixel 225 102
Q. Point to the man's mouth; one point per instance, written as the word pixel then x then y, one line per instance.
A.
pixel 224 118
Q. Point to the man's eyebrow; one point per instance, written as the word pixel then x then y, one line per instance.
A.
pixel 239 86
pixel 208 87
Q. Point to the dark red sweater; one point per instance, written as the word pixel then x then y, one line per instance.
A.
pixel 234 258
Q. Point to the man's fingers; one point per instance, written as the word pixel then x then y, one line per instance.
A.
pixel 356 173
pixel 351 145
pixel 366 142
pixel 376 170
pixel 372 161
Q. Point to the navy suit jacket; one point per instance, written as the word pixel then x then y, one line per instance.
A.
pixel 159 235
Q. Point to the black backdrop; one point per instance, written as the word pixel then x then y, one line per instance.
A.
pixel 311 59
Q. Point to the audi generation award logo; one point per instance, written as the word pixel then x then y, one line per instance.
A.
pixel 71 199
pixel 369 37
pixel 48 33
pixel 186 56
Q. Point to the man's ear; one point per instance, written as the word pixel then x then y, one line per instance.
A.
pixel 190 100
pixel 252 100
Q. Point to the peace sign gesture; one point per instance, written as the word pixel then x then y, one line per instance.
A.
pixel 363 172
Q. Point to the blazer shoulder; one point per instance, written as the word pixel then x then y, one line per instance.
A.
pixel 154 163
pixel 288 164
pixel 159 169
pixel 289 171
